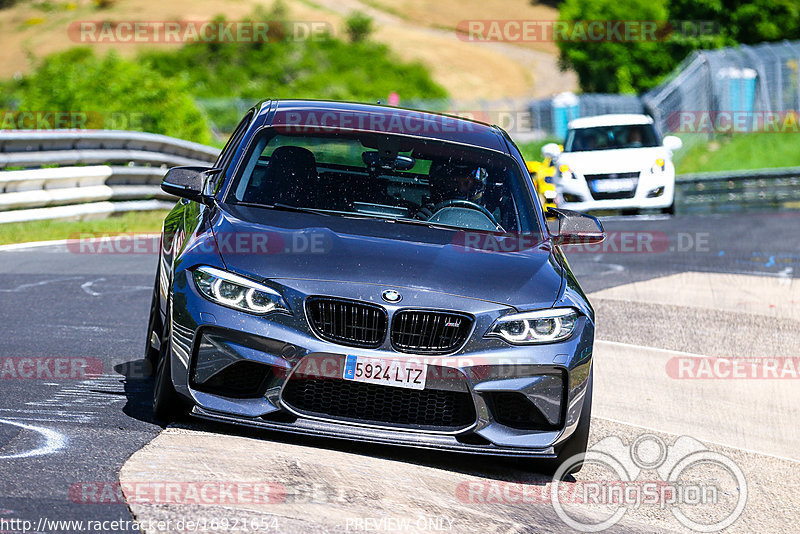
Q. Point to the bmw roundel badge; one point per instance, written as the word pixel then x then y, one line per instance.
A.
pixel 390 295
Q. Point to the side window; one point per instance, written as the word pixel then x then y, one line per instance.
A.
pixel 227 153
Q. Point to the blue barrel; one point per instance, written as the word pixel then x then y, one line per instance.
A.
pixel 565 108
pixel 739 95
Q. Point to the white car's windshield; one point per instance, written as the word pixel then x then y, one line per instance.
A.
pixel 611 137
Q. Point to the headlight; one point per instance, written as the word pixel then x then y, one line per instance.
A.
pixel 658 166
pixel 563 169
pixel 237 292
pixel 542 326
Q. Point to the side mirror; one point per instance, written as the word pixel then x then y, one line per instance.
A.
pixel 672 143
pixel 551 150
pixel 187 182
pixel 575 228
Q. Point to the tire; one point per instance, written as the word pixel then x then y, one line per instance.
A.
pixel 167 404
pixel 154 326
pixel 579 441
pixel 670 210
pixel 630 211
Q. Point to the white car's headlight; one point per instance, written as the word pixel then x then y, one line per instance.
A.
pixel 541 326
pixel 237 292
pixel 658 167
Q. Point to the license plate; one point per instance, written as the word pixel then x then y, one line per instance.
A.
pixel 395 373
pixel 613 186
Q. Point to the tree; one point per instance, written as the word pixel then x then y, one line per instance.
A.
pixel 684 26
pixel 613 64
pixel 743 21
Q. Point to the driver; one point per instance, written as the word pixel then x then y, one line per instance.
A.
pixel 470 183
pixel 457 182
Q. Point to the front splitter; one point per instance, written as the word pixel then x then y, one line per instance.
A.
pixel 340 431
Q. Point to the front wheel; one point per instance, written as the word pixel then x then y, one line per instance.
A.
pixel 167 404
pixel 154 331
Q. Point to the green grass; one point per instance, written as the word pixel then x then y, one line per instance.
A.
pixel 138 222
pixel 739 152
pixel 532 150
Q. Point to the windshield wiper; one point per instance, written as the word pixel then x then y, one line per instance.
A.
pixel 351 215
pixel 429 224
pixel 284 207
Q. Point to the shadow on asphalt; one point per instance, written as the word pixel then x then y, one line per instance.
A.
pixel 138 387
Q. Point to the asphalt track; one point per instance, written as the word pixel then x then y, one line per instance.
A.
pixel 60 436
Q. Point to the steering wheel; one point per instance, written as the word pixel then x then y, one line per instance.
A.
pixel 466 204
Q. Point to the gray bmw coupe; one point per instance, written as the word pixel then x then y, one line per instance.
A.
pixel 377 274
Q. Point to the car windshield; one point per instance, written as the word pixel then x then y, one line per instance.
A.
pixel 611 137
pixel 404 179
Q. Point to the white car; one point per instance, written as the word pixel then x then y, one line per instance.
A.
pixel 615 162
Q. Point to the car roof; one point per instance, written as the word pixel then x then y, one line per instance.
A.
pixel 307 116
pixel 610 120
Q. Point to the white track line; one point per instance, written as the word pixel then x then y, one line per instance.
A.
pixel 32 244
pixel 53 441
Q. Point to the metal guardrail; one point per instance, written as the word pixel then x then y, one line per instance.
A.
pixel 71 147
pixel 110 171
pixel 730 191
pixel 96 172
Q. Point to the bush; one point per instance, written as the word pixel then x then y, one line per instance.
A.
pixel 113 93
pixel 163 86
pixel 358 27
pixel 323 67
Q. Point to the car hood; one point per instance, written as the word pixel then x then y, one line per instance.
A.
pixel 609 161
pixel 271 244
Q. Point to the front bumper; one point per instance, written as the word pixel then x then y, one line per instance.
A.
pixel 552 377
pixel 578 188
